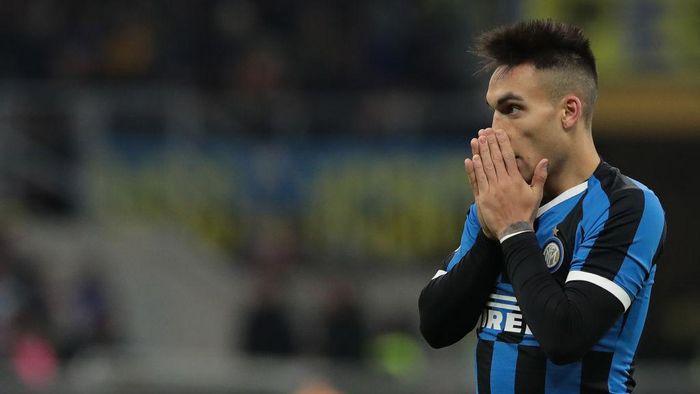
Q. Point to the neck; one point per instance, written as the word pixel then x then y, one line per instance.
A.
pixel 574 168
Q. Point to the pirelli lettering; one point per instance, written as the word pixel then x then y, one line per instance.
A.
pixel 503 314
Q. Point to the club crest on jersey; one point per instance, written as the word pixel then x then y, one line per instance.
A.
pixel 553 253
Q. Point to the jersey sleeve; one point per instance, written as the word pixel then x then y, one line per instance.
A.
pixel 450 304
pixel 472 228
pixel 618 246
pixel 567 321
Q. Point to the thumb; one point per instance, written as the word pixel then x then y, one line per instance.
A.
pixel 540 175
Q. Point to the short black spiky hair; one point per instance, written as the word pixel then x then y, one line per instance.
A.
pixel 548 45
pixel 544 43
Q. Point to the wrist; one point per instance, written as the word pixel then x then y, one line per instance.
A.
pixel 514 229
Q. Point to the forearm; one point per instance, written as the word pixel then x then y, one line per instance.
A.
pixel 450 305
pixel 566 321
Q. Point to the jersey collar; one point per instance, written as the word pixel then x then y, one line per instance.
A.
pixel 578 189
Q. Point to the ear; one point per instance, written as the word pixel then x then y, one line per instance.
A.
pixel 572 111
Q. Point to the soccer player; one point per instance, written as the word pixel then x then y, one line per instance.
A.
pixel 557 258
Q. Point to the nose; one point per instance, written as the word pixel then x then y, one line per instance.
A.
pixel 497 122
pixel 500 121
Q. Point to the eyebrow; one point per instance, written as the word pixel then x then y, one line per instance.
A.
pixel 506 97
pixel 509 96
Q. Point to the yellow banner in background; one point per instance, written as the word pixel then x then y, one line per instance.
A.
pixel 397 208
pixel 355 206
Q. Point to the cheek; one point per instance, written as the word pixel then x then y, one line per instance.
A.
pixel 532 139
pixel 524 144
pixel 527 153
pixel 525 169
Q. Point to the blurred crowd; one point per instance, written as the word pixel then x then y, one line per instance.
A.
pixel 42 327
pixel 267 68
pixel 269 330
pixel 339 331
pixel 254 46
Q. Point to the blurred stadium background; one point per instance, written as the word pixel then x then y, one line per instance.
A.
pixel 248 196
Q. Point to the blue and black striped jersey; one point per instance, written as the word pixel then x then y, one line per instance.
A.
pixel 608 232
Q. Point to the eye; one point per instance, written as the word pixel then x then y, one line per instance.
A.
pixel 511 109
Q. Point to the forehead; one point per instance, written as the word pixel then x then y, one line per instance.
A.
pixel 523 80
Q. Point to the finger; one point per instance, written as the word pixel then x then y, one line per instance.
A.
pixel 507 152
pixel 481 178
pixel 469 166
pixel 487 162
pixel 475 143
pixel 496 155
pixel 475 146
pixel 540 176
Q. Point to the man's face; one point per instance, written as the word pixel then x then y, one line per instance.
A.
pixel 524 109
